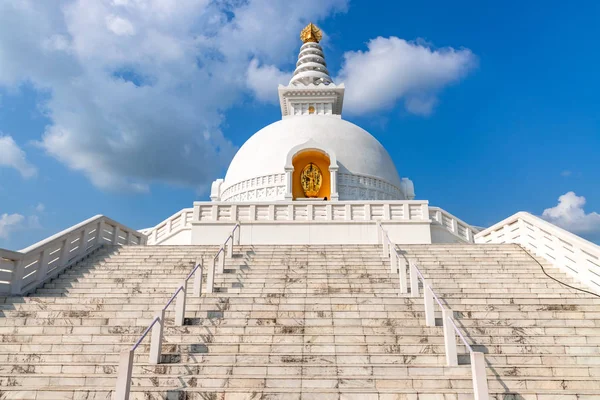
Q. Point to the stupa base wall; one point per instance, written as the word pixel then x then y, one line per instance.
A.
pixel 313 232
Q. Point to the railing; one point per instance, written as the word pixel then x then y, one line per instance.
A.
pixel 342 211
pixel 179 222
pixel 452 224
pixel 398 264
pixel 157 325
pixel 25 270
pixel 569 252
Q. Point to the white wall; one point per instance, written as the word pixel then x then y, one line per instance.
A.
pixel 316 232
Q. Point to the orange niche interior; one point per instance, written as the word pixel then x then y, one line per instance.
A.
pixel 300 161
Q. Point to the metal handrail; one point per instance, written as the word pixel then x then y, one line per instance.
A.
pixel 426 285
pixel 461 336
pixel 179 289
pixel 478 367
pixel 139 341
pixel 126 363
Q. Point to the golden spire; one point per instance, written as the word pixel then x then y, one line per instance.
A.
pixel 311 34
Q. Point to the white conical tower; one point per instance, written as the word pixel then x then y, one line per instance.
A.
pixel 311 90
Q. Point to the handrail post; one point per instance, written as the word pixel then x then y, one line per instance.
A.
pixel 230 246
pixel 156 339
pixel 237 234
pixel 428 301
pixel 222 260
pixel 449 339
pixel 402 275
pixel 480 384
pixel 180 304
pixel 210 280
pixel 414 279
pixel 379 231
pixel 124 375
pixel 386 249
pixel 393 261
pixel 198 279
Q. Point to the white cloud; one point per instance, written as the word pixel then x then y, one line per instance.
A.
pixel 393 70
pixel 119 26
pixel 11 155
pixel 9 223
pixel 263 81
pixel 137 90
pixel 40 207
pixel 570 215
pixel 566 173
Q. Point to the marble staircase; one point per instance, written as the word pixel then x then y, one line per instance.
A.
pixel 303 322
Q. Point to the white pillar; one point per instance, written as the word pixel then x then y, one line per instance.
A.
pixel 480 384
pixel 289 171
pixel 222 261
pixel 156 339
pixel 429 310
pixel 449 339
pixel 198 279
pixel 99 233
pixel 180 304
pixel 414 279
pixel 210 279
pixel 42 269
pixel 230 247
pixel 333 171
pixel 124 375
pixel 402 275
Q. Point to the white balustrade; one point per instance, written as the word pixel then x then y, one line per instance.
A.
pixel 25 270
pixel 175 224
pixel 478 368
pixel 569 252
pixel 452 224
pixel 324 211
pixel 157 325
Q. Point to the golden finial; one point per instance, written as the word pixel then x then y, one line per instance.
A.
pixel 311 34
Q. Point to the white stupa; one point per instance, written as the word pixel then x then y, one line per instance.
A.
pixel 354 164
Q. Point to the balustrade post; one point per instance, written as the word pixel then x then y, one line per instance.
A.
pixel 393 261
pixel 99 233
pixel 449 339
pixel 237 234
pixel 478 372
pixel 156 339
pixel 17 277
pixel 81 243
pixel 414 279
pixel 230 247
pixel 222 260
pixel 198 279
pixel 210 280
pixel 402 275
pixel 386 251
pixel 115 236
pixel 124 375
pixel 180 304
pixel 42 269
pixel 428 301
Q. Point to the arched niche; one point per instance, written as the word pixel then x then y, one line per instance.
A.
pixel 298 157
pixel 301 160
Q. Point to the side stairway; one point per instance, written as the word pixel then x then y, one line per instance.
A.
pixel 303 322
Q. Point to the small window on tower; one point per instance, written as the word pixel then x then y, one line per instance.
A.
pixel 311 110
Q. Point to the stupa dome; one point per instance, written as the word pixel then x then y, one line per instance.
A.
pixel 366 170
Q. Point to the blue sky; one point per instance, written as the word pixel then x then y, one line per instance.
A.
pixel 93 98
